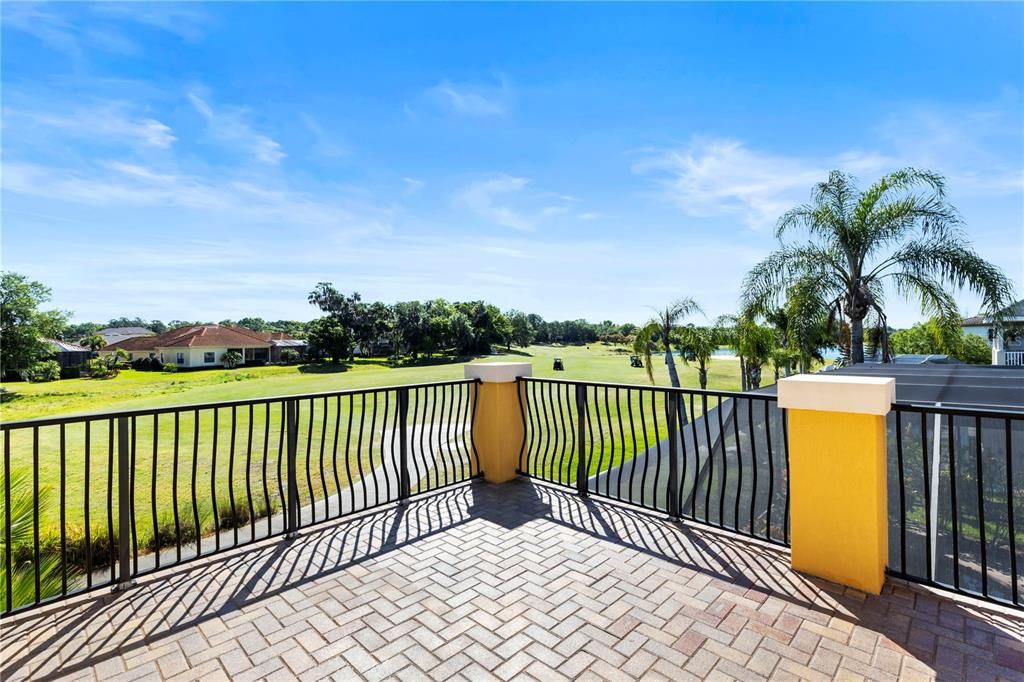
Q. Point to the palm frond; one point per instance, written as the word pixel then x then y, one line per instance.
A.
pixel 951 261
pixel 643 342
pixel 766 283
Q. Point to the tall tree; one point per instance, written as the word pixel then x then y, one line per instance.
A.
pixel 755 344
pixel 698 345
pixel 859 245
pixel 22 324
pixel 522 331
pixel 329 339
pixel 660 328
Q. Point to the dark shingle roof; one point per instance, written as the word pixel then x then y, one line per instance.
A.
pixel 1015 311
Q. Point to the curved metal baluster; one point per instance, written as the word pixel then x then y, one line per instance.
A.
pixel 266 455
pixel 334 454
pixel 348 456
pixel 725 466
pixel 231 476
pixel 309 468
pixel 358 454
pixel 174 491
pixel 739 463
pixel 771 469
pixel 195 469
pixel 753 460
pixel 323 447
pixel 248 477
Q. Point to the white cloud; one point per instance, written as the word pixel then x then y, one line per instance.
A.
pixel 76 28
pixel 713 176
pixel 473 99
pixel 505 200
pixel 229 127
pixel 412 186
pixel 185 20
pixel 242 202
pixel 324 143
pixel 107 120
pixel 484 199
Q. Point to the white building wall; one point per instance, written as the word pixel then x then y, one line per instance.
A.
pixel 195 356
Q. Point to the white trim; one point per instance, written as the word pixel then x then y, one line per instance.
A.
pixel 498 372
pixel 837 393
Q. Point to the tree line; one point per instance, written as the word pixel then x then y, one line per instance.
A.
pixel 349 325
pixel 427 328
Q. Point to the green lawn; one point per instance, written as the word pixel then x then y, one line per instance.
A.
pixel 132 389
pixel 221 467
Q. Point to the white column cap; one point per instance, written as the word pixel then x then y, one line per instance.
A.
pixel 837 393
pixel 498 372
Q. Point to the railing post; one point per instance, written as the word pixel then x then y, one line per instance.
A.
pixel 837 468
pixel 124 508
pixel 498 425
pixel 581 449
pixel 672 405
pixel 292 516
pixel 404 484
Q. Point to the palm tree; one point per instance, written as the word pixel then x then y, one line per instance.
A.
pixel 754 343
pixel 661 328
pixel 698 344
pixel 862 244
pixel 231 359
pixel 807 324
pixel 93 342
pixel 21 512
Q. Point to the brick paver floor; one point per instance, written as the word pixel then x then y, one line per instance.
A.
pixel 511 581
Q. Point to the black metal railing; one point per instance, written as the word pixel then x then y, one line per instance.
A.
pixel 712 457
pixel 134 492
pixel 956 485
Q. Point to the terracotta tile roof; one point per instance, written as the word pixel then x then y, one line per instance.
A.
pixel 210 335
pixel 196 336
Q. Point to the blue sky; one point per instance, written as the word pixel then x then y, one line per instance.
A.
pixel 211 161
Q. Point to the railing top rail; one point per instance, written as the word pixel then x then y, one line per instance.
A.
pixel 662 389
pixel 244 402
pixel 993 412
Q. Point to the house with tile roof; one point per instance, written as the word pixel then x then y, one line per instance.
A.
pixel 1008 341
pixel 198 346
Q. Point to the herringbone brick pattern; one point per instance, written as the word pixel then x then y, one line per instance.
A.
pixel 501 582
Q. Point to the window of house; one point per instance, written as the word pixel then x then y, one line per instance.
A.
pixel 209 357
pixel 130 357
pixel 180 358
pixel 161 358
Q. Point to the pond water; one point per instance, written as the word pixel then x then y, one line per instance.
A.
pixel 830 354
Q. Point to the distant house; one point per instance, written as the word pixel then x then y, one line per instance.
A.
pixel 1008 345
pixel 69 354
pixel 116 334
pixel 204 345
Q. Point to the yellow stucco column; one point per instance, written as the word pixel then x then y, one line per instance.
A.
pixel 498 423
pixel 837 471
